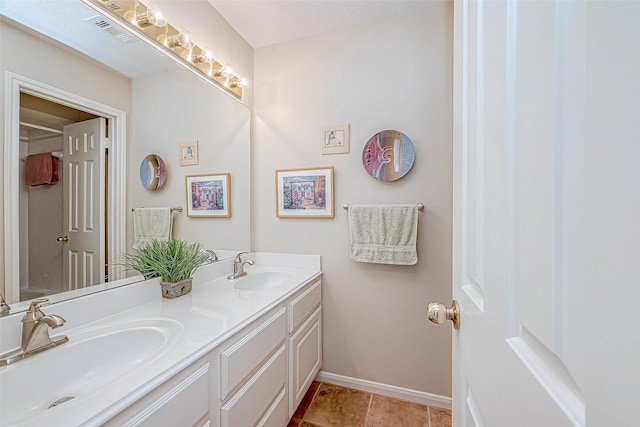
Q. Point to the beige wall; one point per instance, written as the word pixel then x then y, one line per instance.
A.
pixel 395 74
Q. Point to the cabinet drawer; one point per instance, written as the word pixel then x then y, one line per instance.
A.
pixel 184 404
pixel 252 402
pixel 303 305
pixel 239 361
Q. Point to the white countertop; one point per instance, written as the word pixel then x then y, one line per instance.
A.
pixel 205 318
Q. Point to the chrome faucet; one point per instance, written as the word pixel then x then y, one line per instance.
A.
pixel 4 307
pixel 238 266
pixel 35 333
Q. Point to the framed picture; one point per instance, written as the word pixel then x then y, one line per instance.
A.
pixel 304 193
pixel 209 195
pixel 335 139
pixel 189 153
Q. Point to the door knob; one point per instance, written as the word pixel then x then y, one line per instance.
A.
pixel 63 239
pixel 439 313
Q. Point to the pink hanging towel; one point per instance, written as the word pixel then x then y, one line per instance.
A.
pixel 55 178
pixel 39 169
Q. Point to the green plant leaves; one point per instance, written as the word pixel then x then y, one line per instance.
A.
pixel 172 260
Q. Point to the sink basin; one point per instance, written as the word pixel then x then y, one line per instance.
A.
pixel 93 357
pixel 263 280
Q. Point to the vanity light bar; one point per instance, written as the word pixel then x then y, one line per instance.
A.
pixel 175 43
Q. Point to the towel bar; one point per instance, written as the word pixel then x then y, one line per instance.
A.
pixel 420 206
pixel 177 209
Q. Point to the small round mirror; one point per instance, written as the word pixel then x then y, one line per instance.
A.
pixel 153 172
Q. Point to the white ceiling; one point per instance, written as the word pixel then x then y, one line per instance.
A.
pixel 267 22
pixel 260 22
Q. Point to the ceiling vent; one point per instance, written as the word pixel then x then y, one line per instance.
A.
pixel 111 28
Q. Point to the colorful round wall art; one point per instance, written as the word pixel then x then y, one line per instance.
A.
pixel 153 172
pixel 388 155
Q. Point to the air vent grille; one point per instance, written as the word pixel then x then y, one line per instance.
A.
pixel 108 26
pixel 103 24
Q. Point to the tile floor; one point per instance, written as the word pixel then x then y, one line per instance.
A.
pixel 329 405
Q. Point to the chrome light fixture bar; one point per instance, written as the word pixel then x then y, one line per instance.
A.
pixel 155 30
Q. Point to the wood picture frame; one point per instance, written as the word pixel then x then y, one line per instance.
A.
pixel 305 193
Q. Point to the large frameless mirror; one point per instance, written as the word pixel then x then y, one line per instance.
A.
pixel 67 67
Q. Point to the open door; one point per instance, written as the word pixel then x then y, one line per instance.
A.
pixel 84 203
pixel 546 213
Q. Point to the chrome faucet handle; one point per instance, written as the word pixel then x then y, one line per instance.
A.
pixel 37 303
pixel 34 313
pixel 39 339
pixel 238 266
pixel 35 333
pixel 239 256
pixel 4 307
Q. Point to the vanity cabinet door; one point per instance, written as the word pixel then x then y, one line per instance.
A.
pixel 257 403
pixel 305 358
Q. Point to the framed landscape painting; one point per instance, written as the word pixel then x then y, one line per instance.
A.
pixel 209 195
pixel 304 193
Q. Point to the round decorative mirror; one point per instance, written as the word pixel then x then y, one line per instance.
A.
pixel 388 155
pixel 153 172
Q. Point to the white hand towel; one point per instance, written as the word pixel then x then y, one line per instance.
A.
pixel 151 224
pixel 384 234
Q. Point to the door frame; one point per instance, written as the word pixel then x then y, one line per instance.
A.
pixel 116 170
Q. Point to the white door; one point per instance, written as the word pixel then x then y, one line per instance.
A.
pixel 84 203
pixel 546 213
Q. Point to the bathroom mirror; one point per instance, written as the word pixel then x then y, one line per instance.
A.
pixel 151 104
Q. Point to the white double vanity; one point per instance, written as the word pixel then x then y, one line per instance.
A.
pixel 234 353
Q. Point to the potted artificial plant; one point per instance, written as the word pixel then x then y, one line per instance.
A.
pixel 174 261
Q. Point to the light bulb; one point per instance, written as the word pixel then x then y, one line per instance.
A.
pixel 227 70
pixel 205 56
pixel 145 19
pixel 184 39
pixel 241 83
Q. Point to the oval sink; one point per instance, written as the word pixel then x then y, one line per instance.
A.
pixel 261 281
pixel 91 359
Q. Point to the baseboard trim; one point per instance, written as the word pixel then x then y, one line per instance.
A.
pixel 401 393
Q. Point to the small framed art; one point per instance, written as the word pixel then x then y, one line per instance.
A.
pixel 189 153
pixel 335 139
pixel 209 195
pixel 304 193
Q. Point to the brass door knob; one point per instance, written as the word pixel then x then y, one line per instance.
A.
pixel 63 239
pixel 439 313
